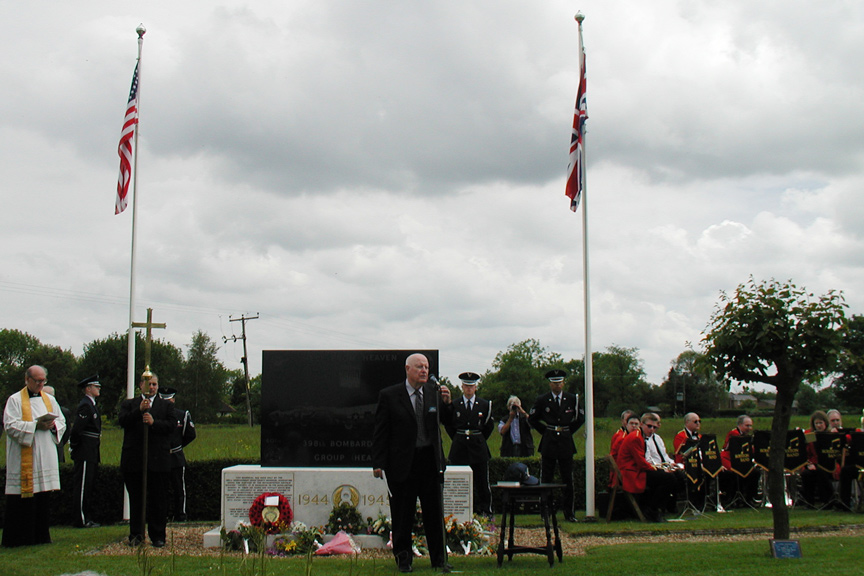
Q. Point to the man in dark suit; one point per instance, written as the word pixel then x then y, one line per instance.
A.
pixel 557 415
pixel 84 443
pixel 407 452
pixel 150 416
pixel 472 425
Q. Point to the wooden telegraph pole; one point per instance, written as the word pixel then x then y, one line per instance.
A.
pixel 245 358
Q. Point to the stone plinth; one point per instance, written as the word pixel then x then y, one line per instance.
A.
pixel 313 492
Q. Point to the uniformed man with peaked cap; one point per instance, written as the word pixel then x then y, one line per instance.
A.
pixel 84 443
pixel 471 427
pixel 183 434
pixel 557 415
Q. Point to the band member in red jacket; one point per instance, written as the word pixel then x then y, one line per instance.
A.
pixel 640 476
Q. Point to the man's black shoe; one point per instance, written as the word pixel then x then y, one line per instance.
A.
pixel 135 540
pixel 570 517
pixel 91 524
pixel 445 568
pixel 158 543
pixel 403 562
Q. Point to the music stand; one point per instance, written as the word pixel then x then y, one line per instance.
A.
pixel 741 457
pixel 693 476
pixel 712 464
pixel 855 457
pixel 829 450
pixel 796 459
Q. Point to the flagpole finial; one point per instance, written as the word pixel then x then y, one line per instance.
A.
pixel 141 30
pixel 579 17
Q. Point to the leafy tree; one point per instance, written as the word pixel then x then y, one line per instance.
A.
pixel 849 386
pixel 693 377
pixel 204 379
pixel 235 391
pixel 61 366
pixel 780 335
pixel 108 359
pixel 518 371
pixel 619 381
pixel 19 351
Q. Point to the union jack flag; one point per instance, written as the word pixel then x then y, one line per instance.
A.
pixel 576 165
pixel 130 124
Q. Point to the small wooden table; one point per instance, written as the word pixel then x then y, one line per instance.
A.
pixel 513 498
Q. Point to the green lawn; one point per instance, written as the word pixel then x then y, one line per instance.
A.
pixel 837 554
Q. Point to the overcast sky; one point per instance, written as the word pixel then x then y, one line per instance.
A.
pixel 391 174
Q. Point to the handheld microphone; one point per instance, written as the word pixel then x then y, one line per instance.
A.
pixel 435 381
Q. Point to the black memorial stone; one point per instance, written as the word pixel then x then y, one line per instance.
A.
pixel 318 406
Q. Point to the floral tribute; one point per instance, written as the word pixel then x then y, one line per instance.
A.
pixel 272 519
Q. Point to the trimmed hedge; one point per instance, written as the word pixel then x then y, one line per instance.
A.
pixel 204 488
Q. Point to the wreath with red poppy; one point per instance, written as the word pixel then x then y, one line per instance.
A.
pixel 272 524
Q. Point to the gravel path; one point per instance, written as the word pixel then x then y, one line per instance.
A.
pixel 188 539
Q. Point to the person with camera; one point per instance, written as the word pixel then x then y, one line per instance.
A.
pixel 516 438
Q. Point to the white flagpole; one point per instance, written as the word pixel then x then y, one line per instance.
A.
pixel 130 348
pixel 589 365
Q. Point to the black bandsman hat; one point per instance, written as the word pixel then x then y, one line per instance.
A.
pixel 88 381
pixel 167 393
pixel 556 375
pixel 469 378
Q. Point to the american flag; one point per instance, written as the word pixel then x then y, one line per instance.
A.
pixel 576 165
pixel 125 148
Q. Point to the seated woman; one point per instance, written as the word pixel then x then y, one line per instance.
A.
pixel 632 423
pixel 816 482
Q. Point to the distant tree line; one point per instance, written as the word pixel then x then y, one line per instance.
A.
pixel 205 386
pixel 691 384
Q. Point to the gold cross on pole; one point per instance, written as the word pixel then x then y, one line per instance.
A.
pixel 149 325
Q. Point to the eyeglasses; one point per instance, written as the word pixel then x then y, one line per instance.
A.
pixel 697 421
pixel 42 381
pixel 651 426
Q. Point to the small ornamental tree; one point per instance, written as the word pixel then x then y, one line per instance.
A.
pixel 777 334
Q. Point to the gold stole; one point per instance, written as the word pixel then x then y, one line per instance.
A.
pixel 27 451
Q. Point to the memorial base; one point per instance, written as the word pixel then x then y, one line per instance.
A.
pixel 313 492
pixel 213 539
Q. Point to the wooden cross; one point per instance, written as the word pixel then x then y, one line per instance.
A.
pixel 149 325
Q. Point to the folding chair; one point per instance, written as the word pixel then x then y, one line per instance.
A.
pixel 618 486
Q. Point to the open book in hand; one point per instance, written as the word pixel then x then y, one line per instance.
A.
pixel 49 417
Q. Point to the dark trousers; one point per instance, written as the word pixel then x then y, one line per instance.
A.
pixel 178 493
pixel 659 491
pixel 26 520
pixel 423 482
pixel 816 484
pixel 83 490
pixel 482 492
pixel 157 504
pixel 848 475
pixel 565 468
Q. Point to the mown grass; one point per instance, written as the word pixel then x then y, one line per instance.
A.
pixel 837 554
